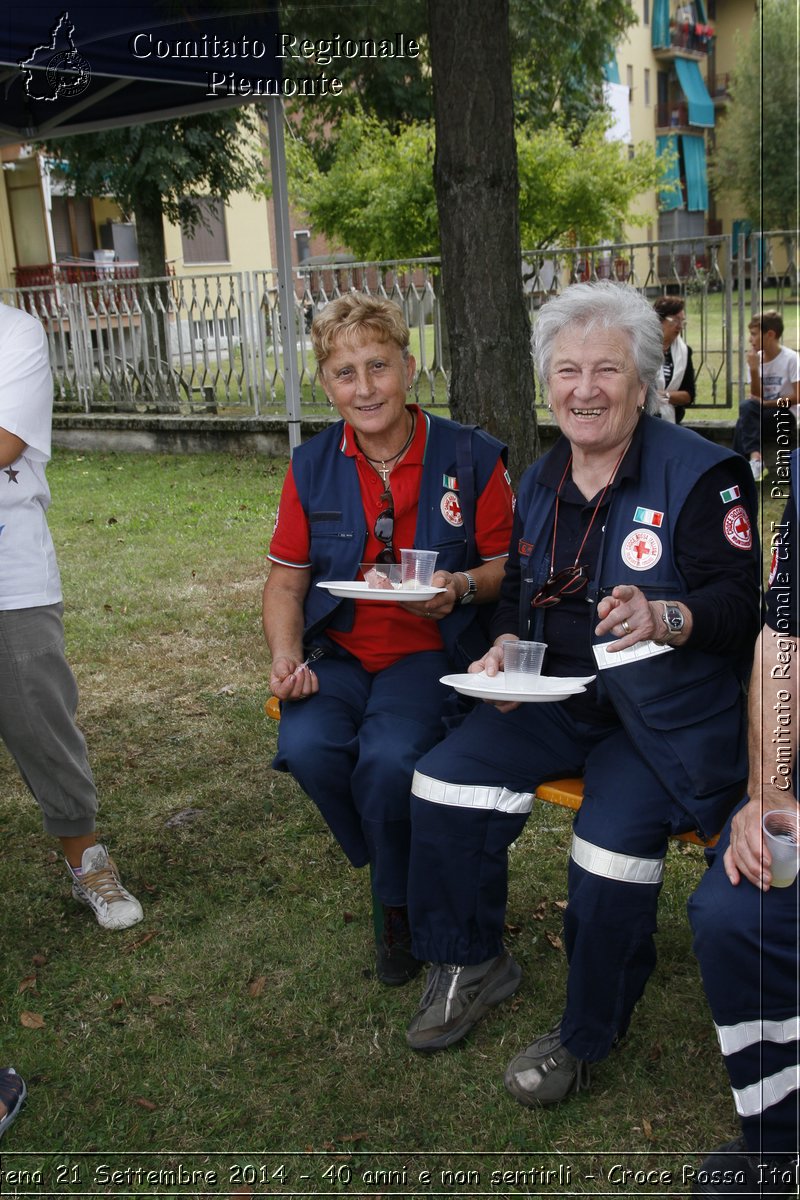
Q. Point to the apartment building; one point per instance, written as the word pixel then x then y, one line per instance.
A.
pixel 675 65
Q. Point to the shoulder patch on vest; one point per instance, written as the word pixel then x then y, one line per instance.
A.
pixel 737 528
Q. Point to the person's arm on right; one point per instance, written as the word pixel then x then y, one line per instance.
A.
pixel 774 689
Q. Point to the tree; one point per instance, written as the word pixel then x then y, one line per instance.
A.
pixel 755 159
pixel 156 171
pixel 575 186
pixel 378 196
pixel 394 90
pixel 559 52
pixel 475 175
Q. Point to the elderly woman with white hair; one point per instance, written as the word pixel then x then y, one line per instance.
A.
pixel 633 557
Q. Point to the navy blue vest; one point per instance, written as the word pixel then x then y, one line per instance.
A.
pixel 328 488
pixel 683 710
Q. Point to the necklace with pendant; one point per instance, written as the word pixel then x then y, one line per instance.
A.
pixel 384 470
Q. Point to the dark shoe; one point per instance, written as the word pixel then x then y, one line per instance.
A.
pixel 456 998
pixel 733 1170
pixel 396 964
pixel 546 1073
pixel 12 1094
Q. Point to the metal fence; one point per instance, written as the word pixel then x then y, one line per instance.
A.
pixel 212 343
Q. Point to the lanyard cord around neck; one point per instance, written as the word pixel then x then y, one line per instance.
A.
pixel 596 507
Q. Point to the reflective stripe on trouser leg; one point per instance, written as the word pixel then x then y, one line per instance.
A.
pixel 464 795
pixel 753 1100
pixel 733 1038
pixel 623 867
pixel 459 866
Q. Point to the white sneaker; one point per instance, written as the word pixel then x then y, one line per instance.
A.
pixel 758 469
pixel 100 888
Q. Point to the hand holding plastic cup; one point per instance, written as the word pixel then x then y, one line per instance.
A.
pixel 417 568
pixel 781 828
pixel 521 662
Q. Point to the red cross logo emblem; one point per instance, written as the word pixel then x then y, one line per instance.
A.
pixel 451 509
pixel 737 528
pixel 641 550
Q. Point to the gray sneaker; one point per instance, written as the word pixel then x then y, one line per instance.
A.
pixel 546 1072
pixel 99 886
pixel 456 998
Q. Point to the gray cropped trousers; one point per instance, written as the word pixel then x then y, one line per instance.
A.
pixel 38 701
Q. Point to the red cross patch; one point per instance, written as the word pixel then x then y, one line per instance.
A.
pixel 641 549
pixel 737 528
pixel 451 509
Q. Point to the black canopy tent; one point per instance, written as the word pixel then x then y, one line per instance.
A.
pixel 90 66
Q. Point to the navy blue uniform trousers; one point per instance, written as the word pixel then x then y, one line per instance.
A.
pixel 353 747
pixel 471 798
pixel 747 943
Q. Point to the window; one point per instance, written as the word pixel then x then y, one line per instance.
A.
pixel 210 333
pixel 647 87
pixel 302 239
pixel 629 77
pixel 73 227
pixel 209 242
pixel 646 13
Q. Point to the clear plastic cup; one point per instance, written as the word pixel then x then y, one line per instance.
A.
pixel 521 662
pixel 418 567
pixel 782 834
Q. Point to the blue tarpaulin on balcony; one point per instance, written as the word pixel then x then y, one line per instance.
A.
pixel 660 26
pixel 694 161
pixel 611 72
pixel 668 199
pixel 701 106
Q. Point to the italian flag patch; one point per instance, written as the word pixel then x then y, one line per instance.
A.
pixel 731 493
pixel 649 516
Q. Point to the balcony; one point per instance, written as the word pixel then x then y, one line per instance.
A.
pixel 672 118
pixel 79 271
pixel 687 40
pixel 719 88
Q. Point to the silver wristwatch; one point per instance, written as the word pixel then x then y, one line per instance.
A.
pixel 472 587
pixel 673 618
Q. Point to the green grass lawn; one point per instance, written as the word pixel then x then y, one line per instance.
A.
pixel 240 1026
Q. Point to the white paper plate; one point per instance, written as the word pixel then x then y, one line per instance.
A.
pixel 348 589
pixel 543 688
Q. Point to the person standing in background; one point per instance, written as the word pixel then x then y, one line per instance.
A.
pixel 39 696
